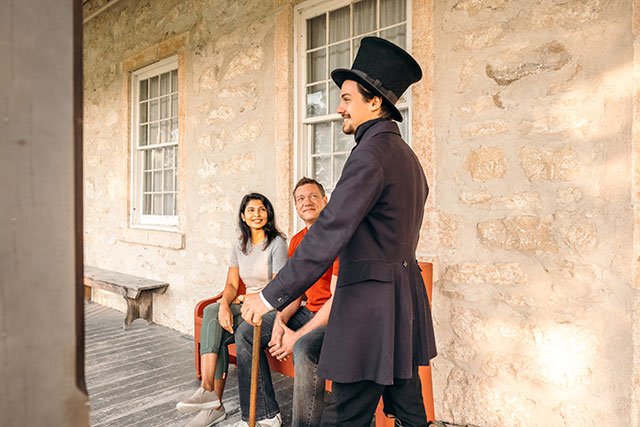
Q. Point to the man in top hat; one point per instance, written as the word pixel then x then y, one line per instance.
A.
pixel 380 327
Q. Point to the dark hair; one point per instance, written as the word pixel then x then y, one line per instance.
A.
pixel 367 95
pixel 270 229
pixel 304 181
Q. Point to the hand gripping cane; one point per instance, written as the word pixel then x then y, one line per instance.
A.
pixel 255 359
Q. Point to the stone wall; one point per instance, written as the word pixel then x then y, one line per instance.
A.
pixel 532 124
pixel 226 55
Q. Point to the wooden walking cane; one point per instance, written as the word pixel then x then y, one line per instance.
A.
pixel 255 359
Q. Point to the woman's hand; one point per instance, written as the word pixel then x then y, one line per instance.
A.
pixel 225 317
pixel 276 335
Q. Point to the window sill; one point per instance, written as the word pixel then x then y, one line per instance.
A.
pixel 160 238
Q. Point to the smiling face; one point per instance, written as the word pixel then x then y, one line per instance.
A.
pixel 255 215
pixel 354 109
pixel 309 202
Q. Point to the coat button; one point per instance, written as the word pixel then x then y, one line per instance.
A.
pixel 404 263
pixel 279 299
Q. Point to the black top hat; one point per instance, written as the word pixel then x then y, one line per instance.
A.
pixel 383 68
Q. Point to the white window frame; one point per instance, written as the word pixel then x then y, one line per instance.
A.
pixel 137 218
pixel 302 139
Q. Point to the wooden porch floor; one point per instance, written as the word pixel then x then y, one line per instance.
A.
pixel 136 377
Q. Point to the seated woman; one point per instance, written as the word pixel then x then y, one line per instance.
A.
pixel 255 258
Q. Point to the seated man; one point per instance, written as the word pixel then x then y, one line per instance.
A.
pixel 297 330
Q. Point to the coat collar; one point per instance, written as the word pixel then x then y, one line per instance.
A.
pixel 385 126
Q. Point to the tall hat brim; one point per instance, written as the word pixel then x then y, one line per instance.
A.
pixel 339 76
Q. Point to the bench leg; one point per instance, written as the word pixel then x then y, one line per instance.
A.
pixel 139 308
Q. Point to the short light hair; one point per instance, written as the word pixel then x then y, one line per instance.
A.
pixel 304 181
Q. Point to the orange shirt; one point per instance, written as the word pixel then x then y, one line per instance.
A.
pixel 320 292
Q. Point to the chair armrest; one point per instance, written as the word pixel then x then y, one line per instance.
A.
pixel 205 302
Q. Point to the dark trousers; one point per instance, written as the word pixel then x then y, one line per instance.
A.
pixel 354 404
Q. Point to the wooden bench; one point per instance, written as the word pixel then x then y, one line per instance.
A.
pixel 136 291
pixel 286 367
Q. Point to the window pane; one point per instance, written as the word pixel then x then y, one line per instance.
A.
pixel 174 131
pixel 339 24
pixel 174 105
pixel 342 141
pixel 144 85
pixel 174 81
pixel 321 138
pixel 153 87
pixel 334 97
pixel 338 164
pixel 153 110
pixel 339 56
pixel 157 181
pixel 364 16
pixel 169 157
pixel 143 112
pixel 157 204
pixel 147 160
pixel 165 83
pixel 165 126
pixel 146 182
pixel 317 31
pixel 392 12
pixel 316 100
pixel 317 66
pixel 142 135
pixel 146 206
pixel 157 159
pixel 403 125
pixel 397 35
pixel 164 107
pixel 168 180
pixel 168 204
pixel 321 168
pixel 153 133
pixel 356 46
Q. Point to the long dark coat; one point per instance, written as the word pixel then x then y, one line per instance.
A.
pixel 380 324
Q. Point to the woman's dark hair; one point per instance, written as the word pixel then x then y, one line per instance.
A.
pixel 270 229
pixel 367 95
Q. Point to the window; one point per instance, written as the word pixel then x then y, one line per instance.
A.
pixel 328 37
pixel 155 144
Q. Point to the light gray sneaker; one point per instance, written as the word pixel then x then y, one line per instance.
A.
pixel 269 422
pixel 201 400
pixel 208 418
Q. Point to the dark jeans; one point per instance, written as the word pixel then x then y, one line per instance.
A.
pixel 354 404
pixel 308 389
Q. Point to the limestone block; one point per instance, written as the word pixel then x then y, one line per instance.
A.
pixel 209 78
pixel 473 7
pixel 486 164
pixel 526 233
pixel 239 164
pixel 566 354
pixel 224 113
pixel 479 39
pixel 204 143
pixel 458 351
pixel 207 258
pixel 546 165
pixel 207 189
pixel 207 169
pixel 569 195
pixel 468 324
pixel 510 68
pixel 525 201
pixel 523 303
pixel 583 414
pixel 218 205
pixel 246 61
pixel 470 400
pixel 468 65
pixel 500 274
pixel 484 128
pixel 569 14
pixel 244 91
pixel 448 226
pixel 581 237
pixel 249 132
pixel 248 106
pixel 470 109
pixel 562 123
